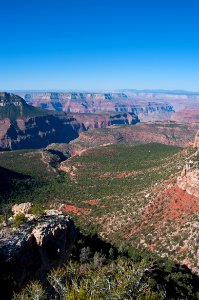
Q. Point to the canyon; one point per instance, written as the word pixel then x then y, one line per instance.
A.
pixel 25 127
pixel 129 182
pixel 147 105
pixel 100 103
pixel 157 214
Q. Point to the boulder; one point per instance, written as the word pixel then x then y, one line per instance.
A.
pixel 189 182
pixel 28 252
pixel 23 208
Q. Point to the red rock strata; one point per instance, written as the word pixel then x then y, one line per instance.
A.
pixel 76 210
pixel 173 205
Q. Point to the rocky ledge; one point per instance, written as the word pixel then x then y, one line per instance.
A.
pixel 189 179
pixel 189 182
pixel 31 250
pixel 196 142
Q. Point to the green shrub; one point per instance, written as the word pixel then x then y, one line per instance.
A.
pixel 33 291
pixel 1 220
pixel 19 219
pixel 37 210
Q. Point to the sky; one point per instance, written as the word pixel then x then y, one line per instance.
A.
pixel 99 44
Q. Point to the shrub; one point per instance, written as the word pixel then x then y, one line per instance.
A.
pixel 33 291
pixel 1 220
pixel 37 210
pixel 19 219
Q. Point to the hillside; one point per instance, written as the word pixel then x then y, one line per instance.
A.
pixel 133 199
pixel 14 107
pixel 107 189
pixel 60 262
pixel 131 195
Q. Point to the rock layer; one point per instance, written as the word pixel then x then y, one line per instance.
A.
pixel 158 132
pixel 38 132
pixel 25 127
pixel 143 106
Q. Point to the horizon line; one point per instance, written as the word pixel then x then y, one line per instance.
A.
pixel 161 91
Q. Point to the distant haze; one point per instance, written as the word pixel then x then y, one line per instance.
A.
pixel 154 91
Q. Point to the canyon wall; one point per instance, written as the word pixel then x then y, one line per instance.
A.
pixel 37 132
pixel 145 108
pixel 23 126
pixel 158 132
pixel 148 106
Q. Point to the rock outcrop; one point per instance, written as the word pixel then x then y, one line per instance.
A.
pixel 104 120
pixel 189 179
pixel 23 208
pixel 196 142
pixel 31 250
pixel 189 182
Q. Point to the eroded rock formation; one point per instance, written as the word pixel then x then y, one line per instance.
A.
pixel 189 179
pixel 25 127
pixel 31 250
pixel 142 105
pixel 196 142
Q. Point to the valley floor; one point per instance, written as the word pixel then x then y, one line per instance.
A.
pixel 126 194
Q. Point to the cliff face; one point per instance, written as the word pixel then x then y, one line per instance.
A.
pixel 37 132
pixel 33 249
pixel 145 108
pixel 91 121
pixel 159 132
pixel 25 127
pixel 149 106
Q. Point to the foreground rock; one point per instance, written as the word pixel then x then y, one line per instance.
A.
pixel 33 249
pixel 23 208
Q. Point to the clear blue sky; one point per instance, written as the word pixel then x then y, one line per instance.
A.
pixel 99 44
